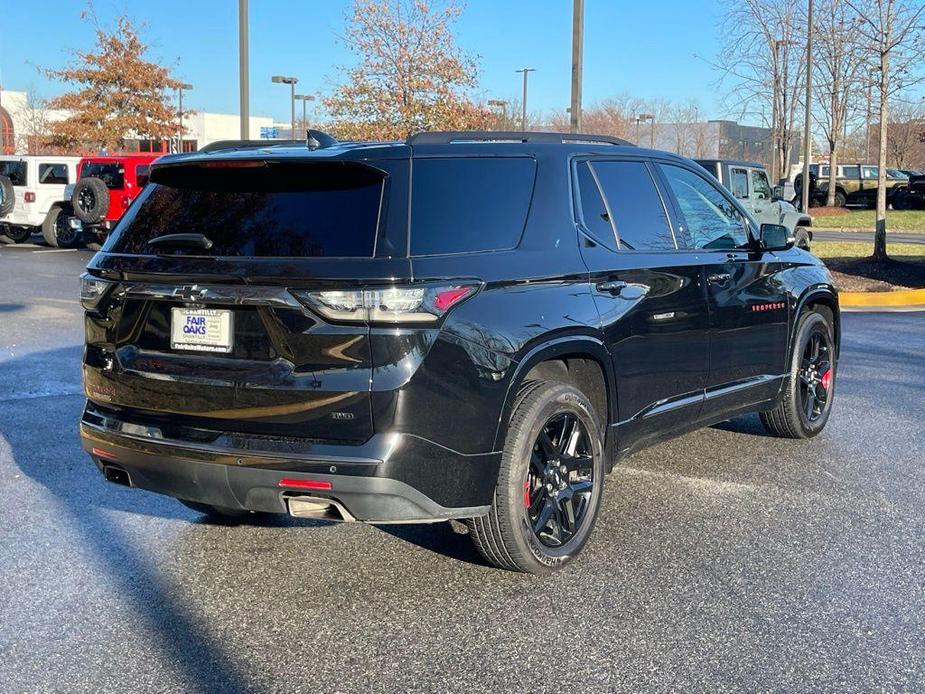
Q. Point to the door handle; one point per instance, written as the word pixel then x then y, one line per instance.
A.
pixel 625 290
pixel 719 278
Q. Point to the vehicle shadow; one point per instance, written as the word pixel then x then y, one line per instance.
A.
pixel 444 538
pixel 47 452
pixel 11 308
pixel 747 424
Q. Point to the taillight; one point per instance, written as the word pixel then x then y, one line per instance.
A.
pixel 405 304
pixel 92 290
pixel 28 197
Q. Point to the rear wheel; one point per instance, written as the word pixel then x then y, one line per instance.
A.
pixel 801 238
pixel 840 200
pixel 550 483
pixel 15 234
pixel 810 389
pixel 57 231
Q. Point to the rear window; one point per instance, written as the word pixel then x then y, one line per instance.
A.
pixel 464 205
pixel 15 171
pixel 328 209
pixel 112 174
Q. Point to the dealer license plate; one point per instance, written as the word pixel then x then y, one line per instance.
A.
pixel 201 329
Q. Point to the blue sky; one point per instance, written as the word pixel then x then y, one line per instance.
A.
pixel 646 49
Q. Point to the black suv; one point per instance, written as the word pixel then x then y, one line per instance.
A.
pixel 460 326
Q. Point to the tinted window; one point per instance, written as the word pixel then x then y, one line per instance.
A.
pixel 634 203
pixel 53 174
pixel 293 210
pixel 15 171
pixel 870 172
pixel 462 205
pixel 112 174
pixel 760 184
pixel 711 219
pixel 854 171
pixel 594 217
pixel 739 183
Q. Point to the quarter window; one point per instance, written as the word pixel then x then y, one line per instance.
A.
pixel 53 174
pixel 594 216
pixel 638 215
pixel 711 219
pixel 739 183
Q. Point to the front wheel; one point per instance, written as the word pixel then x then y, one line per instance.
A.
pixel 806 402
pixel 550 483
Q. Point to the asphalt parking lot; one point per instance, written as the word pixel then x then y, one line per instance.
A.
pixel 723 560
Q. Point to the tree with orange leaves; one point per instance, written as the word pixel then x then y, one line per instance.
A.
pixel 411 76
pixel 119 93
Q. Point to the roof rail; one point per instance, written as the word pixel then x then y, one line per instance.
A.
pixel 449 137
pixel 247 144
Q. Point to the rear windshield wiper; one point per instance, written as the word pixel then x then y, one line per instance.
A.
pixel 182 241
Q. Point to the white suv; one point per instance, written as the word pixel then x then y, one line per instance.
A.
pixel 40 204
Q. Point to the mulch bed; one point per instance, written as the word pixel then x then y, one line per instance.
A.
pixel 869 275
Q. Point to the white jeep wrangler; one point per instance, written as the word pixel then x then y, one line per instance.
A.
pixel 32 198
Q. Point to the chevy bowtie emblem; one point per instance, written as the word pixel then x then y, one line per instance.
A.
pixel 190 293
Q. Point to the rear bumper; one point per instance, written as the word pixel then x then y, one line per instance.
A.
pixel 392 478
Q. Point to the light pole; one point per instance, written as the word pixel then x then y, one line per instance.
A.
pixel 523 110
pixel 578 30
pixel 304 98
pixel 292 82
pixel 643 118
pixel 503 106
pixel 243 85
pixel 180 87
pixel 807 138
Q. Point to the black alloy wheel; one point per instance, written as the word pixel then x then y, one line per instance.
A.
pixel 816 375
pixel 560 479
pixel 86 199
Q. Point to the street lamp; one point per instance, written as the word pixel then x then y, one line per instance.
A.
pixel 523 111
pixel 304 98
pixel 292 82
pixel 643 118
pixel 180 87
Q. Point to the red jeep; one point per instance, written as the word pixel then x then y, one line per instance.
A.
pixel 106 186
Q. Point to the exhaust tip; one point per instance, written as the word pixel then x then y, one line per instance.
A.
pixel 317 508
pixel 116 475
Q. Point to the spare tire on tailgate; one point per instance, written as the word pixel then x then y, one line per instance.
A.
pixel 7 196
pixel 90 200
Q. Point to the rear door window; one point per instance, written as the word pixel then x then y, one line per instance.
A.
pixel 739 183
pixel 259 209
pixel 634 205
pixel 53 174
pixel 112 174
pixel 463 205
pixel 15 171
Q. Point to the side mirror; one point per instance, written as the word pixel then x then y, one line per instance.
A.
pixel 776 237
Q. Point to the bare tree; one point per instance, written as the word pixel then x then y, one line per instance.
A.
pixel 894 34
pixel 904 137
pixel 841 67
pixel 33 115
pixel 763 67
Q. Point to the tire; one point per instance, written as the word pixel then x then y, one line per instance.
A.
pixel 216 512
pixel 802 238
pixel 57 232
pixel 840 200
pixel 794 417
pixel 15 234
pixel 90 200
pixel 7 196
pixel 506 536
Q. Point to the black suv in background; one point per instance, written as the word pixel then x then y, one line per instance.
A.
pixel 463 325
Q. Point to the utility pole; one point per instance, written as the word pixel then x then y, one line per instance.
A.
pixel 578 33
pixel 523 110
pixel 180 89
pixel 243 69
pixel 807 126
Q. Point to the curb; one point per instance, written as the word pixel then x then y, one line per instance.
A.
pixel 909 299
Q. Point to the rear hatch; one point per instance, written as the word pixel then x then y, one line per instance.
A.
pixel 215 325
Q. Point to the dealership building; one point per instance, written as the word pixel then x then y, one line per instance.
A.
pixel 21 121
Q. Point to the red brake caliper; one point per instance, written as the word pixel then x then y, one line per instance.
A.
pixel 527 492
pixel 826 379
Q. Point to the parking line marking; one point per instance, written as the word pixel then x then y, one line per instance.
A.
pixel 57 250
